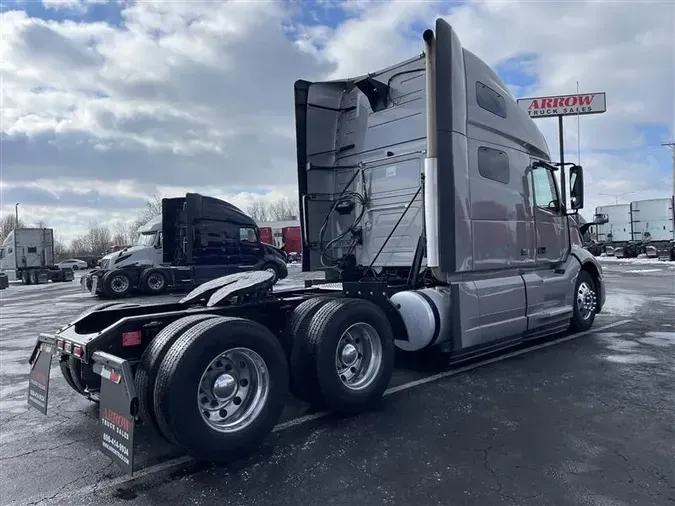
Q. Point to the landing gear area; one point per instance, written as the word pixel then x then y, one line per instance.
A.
pixel 516 425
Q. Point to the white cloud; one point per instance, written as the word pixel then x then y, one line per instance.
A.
pixel 188 95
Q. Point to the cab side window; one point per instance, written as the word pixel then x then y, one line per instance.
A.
pixel 248 234
pixel 545 194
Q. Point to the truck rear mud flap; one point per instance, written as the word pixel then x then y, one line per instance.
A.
pixel 118 401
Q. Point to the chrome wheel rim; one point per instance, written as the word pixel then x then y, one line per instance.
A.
pixel 358 356
pixel 156 281
pixel 119 284
pixel 586 301
pixel 271 271
pixel 233 389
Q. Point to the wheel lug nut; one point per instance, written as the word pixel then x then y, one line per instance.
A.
pixel 237 401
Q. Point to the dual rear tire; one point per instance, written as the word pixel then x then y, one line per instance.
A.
pixel 216 386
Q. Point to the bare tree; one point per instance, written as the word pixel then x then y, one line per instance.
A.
pixel 79 246
pixel 258 210
pixel 122 233
pixel 41 224
pixel 60 250
pixel 153 208
pixel 283 209
pixel 7 224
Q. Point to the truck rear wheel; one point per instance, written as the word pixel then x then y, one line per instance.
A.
pixel 585 302
pixel 153 281
pixel 351 344
pixel 221 388
pixel 303 372
pixel 116 284
pixel 25 278
pixel 151 360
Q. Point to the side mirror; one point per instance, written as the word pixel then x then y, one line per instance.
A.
pixel 576 187
pixel 600 219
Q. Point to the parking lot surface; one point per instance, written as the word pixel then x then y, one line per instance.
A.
pixel 585 420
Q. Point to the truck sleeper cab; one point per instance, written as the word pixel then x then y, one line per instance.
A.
pixel 194 240
pixel 429 200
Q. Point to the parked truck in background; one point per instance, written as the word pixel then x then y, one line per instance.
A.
pixel 653 226
pixel 438 221
pixel 616 235
pixel 194 240
pixel 27 254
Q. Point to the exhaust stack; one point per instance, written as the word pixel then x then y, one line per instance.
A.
pixel 431 160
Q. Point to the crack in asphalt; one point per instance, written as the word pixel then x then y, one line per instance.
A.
pixel 38 450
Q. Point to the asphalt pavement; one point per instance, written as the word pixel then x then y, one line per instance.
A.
pixel 585 420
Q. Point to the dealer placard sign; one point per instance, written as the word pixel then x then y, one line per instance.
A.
pixel 564 105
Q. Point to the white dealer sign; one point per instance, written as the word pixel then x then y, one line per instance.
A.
pixel 564 105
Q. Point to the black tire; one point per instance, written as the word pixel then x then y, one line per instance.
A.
pixel 151 360
pixel 178 380
pixel 153 281
pixel 64 365
pixel 33 278
pixel 75 267
pixel 25 278
pixel 116 284
pixel 325 331
pixel 304 384
pixel 578 322
pixel 274 269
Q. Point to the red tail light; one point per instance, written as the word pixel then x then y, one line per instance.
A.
pixel 78 351
pixel 68 347
pixel 59 344
pixel 132 338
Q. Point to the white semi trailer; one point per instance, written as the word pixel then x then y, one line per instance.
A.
pixel 653 226
pixel 27 254
pixel 429 199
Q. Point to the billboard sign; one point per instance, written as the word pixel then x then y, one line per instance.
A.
pixel 564 105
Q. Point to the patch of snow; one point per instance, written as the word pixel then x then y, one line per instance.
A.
pixel 642 271
pixel 623 303
pixel 632 358
pixel 620 345
pixel 660 339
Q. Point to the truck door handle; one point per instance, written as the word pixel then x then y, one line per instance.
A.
pixel 541 250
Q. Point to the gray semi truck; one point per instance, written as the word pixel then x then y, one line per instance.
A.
pixel 27 255
pixel 429 199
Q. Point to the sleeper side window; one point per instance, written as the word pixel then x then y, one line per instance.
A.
pixel 493 164
pixel 490 100
pixel 545 194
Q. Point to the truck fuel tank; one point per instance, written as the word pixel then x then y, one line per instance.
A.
pixel 426 315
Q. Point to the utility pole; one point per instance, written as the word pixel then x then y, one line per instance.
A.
pixel 16 215
pixel 671 145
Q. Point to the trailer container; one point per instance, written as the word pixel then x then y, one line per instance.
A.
pixel 652 225
pixel 438 221
pixel 616 235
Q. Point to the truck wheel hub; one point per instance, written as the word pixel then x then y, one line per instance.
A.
pixel 358 357
pixel 233 390
pixel 350 354
pixel 586 301
pixel 224 387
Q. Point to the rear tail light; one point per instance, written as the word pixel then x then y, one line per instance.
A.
pixel 68 347
pixel 132 338
pixel 78 351
pixel 59 344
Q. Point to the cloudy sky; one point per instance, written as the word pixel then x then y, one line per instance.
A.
pixel 105 104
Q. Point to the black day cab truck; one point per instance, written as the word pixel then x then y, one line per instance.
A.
pixel 429 200
pixel 196 239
